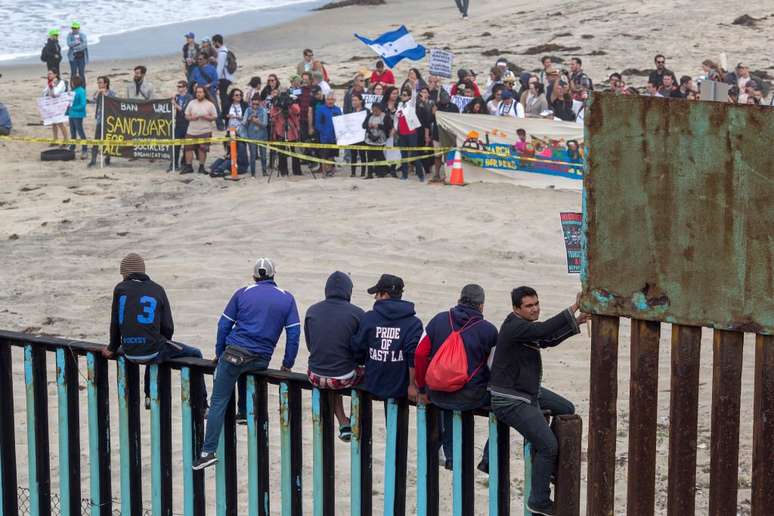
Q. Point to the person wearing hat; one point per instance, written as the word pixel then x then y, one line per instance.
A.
pixel 386 341
pixel 479 338
pixel 467 79
pixel 509 106
pixel 190 51
pixel 141 321
pixel 77 51
pixel 517 396
pixel 52 52
pixel 248 332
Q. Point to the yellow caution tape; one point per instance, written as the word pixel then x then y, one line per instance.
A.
pixel 314 159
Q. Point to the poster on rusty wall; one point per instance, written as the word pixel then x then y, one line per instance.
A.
pixel 571 227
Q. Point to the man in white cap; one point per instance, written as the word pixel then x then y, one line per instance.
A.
pixel 248 332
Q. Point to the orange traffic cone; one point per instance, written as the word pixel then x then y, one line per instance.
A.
pixel 457 176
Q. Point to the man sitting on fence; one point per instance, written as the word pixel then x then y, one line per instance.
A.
pixel 451 385
pixel 386 342
pixel 141 321
pixel 518 399
pixel 248 332
pixel 328 329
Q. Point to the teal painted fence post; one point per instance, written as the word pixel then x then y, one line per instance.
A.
pixel 69 433
pixel 32 438
pixel 253 494
pixel 123 436
pixel 188 441
pixel 355 470
pixel 457 464
pixel 390 452
pixel 220 476
pixel 317 454
pixel 64 431
pixel 99 435
pixel 257 447
pixel 527 475
pixel 286 477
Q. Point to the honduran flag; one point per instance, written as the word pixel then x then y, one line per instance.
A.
pixel 395 46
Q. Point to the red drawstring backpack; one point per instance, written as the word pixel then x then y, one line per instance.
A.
pixel 448 370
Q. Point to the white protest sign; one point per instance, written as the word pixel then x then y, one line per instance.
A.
pixel 441 63
pixel 52 109
pixel 390 153
pixel 461 101
pixel 349 128
pixel 409 112
pixel 369 99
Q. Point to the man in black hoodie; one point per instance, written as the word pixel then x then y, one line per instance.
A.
pixel 517 396
pixel 141 321
pixel 386 342
pixel 328 329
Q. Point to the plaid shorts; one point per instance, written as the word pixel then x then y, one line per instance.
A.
pixel 324 382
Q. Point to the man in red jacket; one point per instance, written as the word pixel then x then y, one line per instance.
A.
pixel 381 76
pixel 479 337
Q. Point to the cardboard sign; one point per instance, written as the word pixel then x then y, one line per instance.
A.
pixel 441 63
pixel 571 227
pixel 53 110
pixel 349 128
pixel 126 120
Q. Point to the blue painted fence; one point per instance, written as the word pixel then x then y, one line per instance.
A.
pixel 192 372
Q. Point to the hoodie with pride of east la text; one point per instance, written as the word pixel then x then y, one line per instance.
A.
pixel 386 343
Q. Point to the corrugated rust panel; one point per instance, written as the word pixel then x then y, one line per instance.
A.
pixel 679 211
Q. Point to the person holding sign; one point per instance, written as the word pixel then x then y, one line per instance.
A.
pixel 358 155
pixel 201 114
pixel 407 124
pixel 55 87
pixel 378 126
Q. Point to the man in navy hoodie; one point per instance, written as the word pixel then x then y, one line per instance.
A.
pixel 387 340
pixel 479 337
pixel 328 329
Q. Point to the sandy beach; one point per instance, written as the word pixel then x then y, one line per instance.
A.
pixel 64 229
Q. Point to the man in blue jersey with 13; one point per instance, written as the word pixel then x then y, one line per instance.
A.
pixel 248 332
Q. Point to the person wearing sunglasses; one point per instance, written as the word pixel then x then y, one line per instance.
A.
pixel 656 76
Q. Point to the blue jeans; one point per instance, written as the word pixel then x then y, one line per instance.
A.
pixel 410 140
pixel 462 5
pixel 78 67
pixel 76 131
pixel 528 420
pixel 226 375
pixel 255 151
pixel 169 351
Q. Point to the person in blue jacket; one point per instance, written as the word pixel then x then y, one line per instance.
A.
pixel 387 340
pixel 76 113
pixel 204 75
pixel 479 337
pixel 248 332
pixel 323 124
pixel 5 121
pixel 328 329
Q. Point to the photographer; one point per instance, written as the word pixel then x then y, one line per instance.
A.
pixel 286 127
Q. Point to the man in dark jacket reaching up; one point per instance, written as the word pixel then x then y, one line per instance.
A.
pixel 518 399
pixel 387 340
pixel 479 337
pixel 328 329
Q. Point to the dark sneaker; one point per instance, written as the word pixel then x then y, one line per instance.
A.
pixel 187 169
pixel 204 460
pixel 547 510
pixel 202 169
pixel 241 419
pixel 91 164
pixel 345 433
pixel 483 467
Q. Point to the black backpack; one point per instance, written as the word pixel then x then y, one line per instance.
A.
pixel 231 62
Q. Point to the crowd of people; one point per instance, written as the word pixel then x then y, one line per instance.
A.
pixel 386 351
pixel 301 108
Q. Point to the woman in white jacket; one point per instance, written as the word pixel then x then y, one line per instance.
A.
pixel 55 87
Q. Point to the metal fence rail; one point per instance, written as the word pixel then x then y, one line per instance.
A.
pixel 290 390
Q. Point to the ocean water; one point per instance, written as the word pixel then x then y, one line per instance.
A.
pixel 27 23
